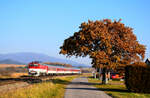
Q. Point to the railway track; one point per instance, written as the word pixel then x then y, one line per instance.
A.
pixel 28 79
pixel 8 84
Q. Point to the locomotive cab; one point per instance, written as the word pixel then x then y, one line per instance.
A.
pixel 33 69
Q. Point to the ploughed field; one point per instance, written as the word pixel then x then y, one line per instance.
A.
pixel 12 70
pixel 11 73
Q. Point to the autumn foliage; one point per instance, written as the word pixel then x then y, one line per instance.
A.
pixel 137 77
pixel 108 43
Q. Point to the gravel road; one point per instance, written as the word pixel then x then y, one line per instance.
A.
pixel 80 88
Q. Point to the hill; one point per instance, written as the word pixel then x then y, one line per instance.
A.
pixel 26 57
pixel 9 61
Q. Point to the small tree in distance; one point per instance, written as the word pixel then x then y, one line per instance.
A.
pixel 108 43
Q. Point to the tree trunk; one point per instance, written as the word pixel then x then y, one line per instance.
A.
pixel 109 76
pixel 94 73
pixel 104 76
pixel 100 74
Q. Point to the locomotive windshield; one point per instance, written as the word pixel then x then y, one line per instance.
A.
pixel 33 64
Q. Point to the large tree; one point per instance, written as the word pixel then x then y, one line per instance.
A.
pixel 108 43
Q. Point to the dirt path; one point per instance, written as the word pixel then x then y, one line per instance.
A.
pixel 80 88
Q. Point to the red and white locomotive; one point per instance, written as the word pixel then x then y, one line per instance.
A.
pixel 37 69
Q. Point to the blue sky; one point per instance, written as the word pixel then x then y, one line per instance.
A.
pixel 42 25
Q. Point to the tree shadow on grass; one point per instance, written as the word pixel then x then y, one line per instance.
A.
pixel 59 81
pixel 84 83
pixel 28 80
pixel 31 80
pixel 113 90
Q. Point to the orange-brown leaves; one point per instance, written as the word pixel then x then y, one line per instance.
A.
pixel 107 42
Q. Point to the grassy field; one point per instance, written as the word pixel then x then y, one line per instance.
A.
pixel 116 89
pixel 51 89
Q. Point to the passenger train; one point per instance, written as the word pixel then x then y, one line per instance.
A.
pixel 37 69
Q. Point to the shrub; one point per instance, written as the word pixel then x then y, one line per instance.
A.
pixel 137 77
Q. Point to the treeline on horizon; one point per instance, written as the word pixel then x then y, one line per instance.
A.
pixel 58 64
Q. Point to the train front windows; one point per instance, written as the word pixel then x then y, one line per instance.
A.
pixel 34 65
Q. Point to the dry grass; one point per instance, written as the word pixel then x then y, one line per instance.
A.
pixel 50 89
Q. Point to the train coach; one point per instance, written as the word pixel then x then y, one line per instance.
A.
pixel 37 69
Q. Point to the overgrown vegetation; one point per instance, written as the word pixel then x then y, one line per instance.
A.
pixel 51 89
pixel 137 77
pixel 116 89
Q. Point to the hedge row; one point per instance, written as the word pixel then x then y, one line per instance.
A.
pixel 137 78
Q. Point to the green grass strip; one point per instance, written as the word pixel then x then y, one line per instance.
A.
pixel 116 89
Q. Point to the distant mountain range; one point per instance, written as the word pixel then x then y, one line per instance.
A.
pixel 26 57
pixel 9 61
